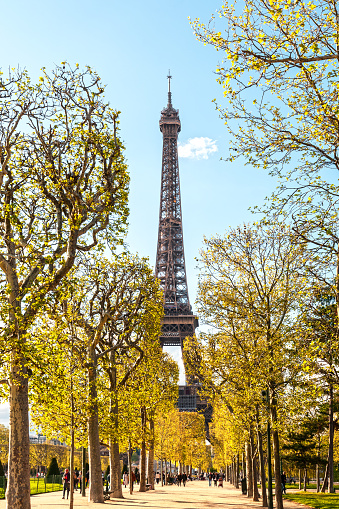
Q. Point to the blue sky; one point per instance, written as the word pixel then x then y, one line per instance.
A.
pixel 132 45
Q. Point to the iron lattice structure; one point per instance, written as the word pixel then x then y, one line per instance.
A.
pixel 179 321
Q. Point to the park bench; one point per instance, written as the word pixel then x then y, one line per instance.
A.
pixel 107 495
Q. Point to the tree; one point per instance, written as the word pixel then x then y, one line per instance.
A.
pixel 4 443
pixel 319 347
pixel 120 308
pixel 155 385
pixel 63 191
pixel 279 74
pixel 59 406
pixel 300 446
pixel 250 291
pixel 280 77
pixel 53 468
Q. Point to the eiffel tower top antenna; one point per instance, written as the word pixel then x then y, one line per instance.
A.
pixel 169 88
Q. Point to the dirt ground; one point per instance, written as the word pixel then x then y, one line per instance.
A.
pixel 196 495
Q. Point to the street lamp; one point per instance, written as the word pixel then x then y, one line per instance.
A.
pixel 266 399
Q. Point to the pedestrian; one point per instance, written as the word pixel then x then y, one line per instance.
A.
pixel 87 478
pixel 75 480
pixel 125 479
pixel 157 477
pixel 66 479
pixel 215 479
pixel 283 482
pixel 210 479
pixel 179 479
pixel 221 481
pixel 184 479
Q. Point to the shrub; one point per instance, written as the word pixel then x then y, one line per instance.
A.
pixel 53 468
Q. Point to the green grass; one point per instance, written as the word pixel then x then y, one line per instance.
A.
pixel 40 487
pixel 37 488
pixel 316 500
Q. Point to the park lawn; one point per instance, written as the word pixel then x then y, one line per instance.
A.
pixel 38 488
pixel 316 500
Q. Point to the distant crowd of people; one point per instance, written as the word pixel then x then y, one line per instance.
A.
pixel 217 478
pixel 77 480
pixel 173 479
pixel 180 479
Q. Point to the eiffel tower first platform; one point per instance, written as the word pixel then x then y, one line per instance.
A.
pixel 179 320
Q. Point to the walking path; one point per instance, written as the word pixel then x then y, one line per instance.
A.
pixel 196 495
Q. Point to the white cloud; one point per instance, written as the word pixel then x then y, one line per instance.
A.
pixel 197 148
pixel 4 413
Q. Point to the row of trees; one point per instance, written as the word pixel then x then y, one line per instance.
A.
pixel 180 438
pixel 269 291
pixel 271 353
pixel 80 316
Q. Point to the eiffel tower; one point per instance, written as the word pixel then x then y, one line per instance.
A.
pixel 179 321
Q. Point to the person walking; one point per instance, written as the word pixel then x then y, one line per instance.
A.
pixel 210 479
pixel 184 479
pixel 179 479
pixel 157 477
pixel 125 479
pixel 66 479
pixel 283 482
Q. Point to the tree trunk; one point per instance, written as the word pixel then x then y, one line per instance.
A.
pixel 254 469
pixel 83 473
pixel 18 484
pixel 161 472
pixel 305 479
pixel 130 474
pixel 277 473
pixel 243 463
pixel 115 472
pixel 71 461
pixel 165 472
pixel 249 471
pixel 151 455
pixel 325 481
pixel 262 469
pixel 299 479
pixel 71 464
pixel 143 451
pixel 96 494
pixel 330 443
pixel 317 477
pixel 237 473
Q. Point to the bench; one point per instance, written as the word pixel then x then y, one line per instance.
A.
pixel 107 495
